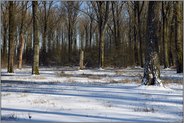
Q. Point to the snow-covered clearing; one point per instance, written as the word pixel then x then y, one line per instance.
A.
pixel 70 95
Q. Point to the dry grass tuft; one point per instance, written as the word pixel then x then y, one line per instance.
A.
pixel 9 117
pixel 63 74
pixel 71 80
pixel 145 109
pixel 39 77
pixel 6 94
pixel 119 72
pixel 167 81
pixel 94 77
pixel 39 101
pixel 125 81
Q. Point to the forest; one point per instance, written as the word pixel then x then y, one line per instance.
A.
pixel 117 42
pixel 108 33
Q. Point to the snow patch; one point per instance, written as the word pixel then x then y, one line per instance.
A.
pixel 88 95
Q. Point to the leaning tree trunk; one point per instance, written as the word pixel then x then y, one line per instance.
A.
pixel 21 36
pixel 11 38
pixel 178 36
pixel 152 65
pixel 35 67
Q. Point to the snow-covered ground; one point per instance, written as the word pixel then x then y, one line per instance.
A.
pixel 71 95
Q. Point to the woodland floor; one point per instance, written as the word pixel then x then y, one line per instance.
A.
pixel 67 94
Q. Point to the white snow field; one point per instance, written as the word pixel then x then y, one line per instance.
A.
pixel 98 95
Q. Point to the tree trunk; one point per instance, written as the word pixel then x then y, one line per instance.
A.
pixel 44 54
pixel 21 36
pixel 21 46
pixel 178 36
pixel 131 56
pixel 86 33
pixel 29 51
pixel 69 43
pixel 152 65
pixel 11 38
pixel 81 59
pixel 90 32
pixel 171 39
pixel 101 47
pixel 136 58
pixel 114 26
pixel 35 67
pixel 164 38
pixel 4 52
pixel 139 35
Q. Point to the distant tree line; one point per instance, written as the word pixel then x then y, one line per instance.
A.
pixel 91 33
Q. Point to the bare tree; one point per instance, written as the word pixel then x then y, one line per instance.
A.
pixel 102 11
pixel 116 16
pixel 11 45
pixel 152 65
pixel 135 9
pixel 35 66
pixel 21 35
pixel 71 9
pixel 130 30
pixel 178 36
pixel 165 13
pixel 45 19
pixel 113 33
pixel 136 57
pixel 4 9
pixel 139 10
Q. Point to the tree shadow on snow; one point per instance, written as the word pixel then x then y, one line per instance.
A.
pixel 78 116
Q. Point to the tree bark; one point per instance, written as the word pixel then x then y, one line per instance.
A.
pixel 43 52
pixel 90 32
pixel 139 32
pixel 11 38
pixel 86 33
pixel 69 43
pixel 4 52
pixel 130 46
pixel 171 39
pixel 152 65
pixel 101 48
pixel 35 67
pixel 136 58
pixel 81 59
pixel 5 38
pixel 164 38
pixel 114 25
pixel 29 51
pixel 21 46
pixel 178 36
